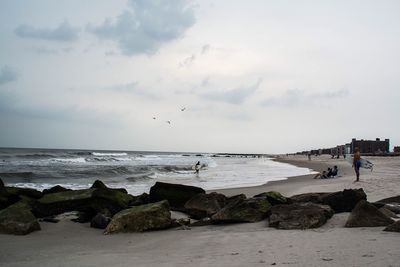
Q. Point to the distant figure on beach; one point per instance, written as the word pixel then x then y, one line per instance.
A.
pixel 334 171
pixel 321 175
pixel 197 167
pixel 309 156
pixel 357 163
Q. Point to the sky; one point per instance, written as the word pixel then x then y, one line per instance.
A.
pixel 255 76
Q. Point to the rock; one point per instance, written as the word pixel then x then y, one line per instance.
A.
pixel 308 197
pixel 84 216
pixel 180 222
pixel 141 218
pixel 55 189
pixel 345 200
pixel 243 210
pixel 205 205
pixel 11 195
pixel 367 215
pixel 100 221
pixel 86 200
pixel 395 199
pixel 1 184
pixel 98 184
pixel 176 194
pixel 394 227
pixel 202 222
pixel 299 215
pixel 274 198
pixel 393 207
pixel 28 192
pixel 388 212
pixel 17 219
pixel 140 200
pixel 50 219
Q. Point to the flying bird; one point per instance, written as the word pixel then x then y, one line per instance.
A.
pixel 169 122
pixel 154 118
pixel 183 109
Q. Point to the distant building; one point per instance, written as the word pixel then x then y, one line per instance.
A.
pixel 370 146
pixel 396 149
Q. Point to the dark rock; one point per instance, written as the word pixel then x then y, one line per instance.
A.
pixel 50 219
pixel 140 200
pixel 393 207
pixel 180 222
pixel 394 227
pixel 141 218
pixel 84 216
pixel 395 199
pixel 17 219
pixel 28 192
pixel 202 222
pixel 100 221
pixel 367 215
pixel 1 184
pixel 243 210
pixel 176 194
pixel 205 205
pixel 388 212
pixel 55 189
pixel 299 215
pixel 308 197
pixel 86 200
pixel 275 198
pixel 98 184
pixel 11 195
pixel 345 200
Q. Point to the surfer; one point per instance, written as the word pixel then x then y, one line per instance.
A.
pixel 357 163
pixel 197 167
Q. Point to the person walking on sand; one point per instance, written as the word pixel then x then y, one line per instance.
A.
pixel 357 163
pixel 197 167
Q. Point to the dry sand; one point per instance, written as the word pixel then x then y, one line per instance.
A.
pixel 253 244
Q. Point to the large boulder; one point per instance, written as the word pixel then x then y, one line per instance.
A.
pixel 87 200
pixel 394 227
pixel 1 184
pixel 342 201
pixel 395 199
pixel 176 194
pixel 28 192
pixel 393 207
pixel 100 221
pixel 299 215
pixel 243 210
pixel 275 198
pixel 18 219
pixel 100 185
pixel 140 200
pixel 205 205
pixel 141 218
pixel 11 195
pixel 308 197
pixel 55 189
pixel 365 214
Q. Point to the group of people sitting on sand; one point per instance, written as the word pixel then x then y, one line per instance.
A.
pixel 330 173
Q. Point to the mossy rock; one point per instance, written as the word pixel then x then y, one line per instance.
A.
pixel 55 189
pixel 141 218
pixel 29 192
pixel 18 219
pixel 367 215
pixel 275 198
pixel 243 210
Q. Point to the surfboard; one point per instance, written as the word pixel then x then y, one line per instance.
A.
pixel 366 164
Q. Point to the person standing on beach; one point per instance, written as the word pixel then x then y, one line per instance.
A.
pixel 357 163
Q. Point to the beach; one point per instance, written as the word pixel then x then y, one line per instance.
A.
pixel 247 244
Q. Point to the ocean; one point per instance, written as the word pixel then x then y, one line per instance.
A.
pixel 135 170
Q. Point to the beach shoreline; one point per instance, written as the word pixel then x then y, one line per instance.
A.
pixel 247 244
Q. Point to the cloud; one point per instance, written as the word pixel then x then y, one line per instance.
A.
pixel 234 96
pixel 296 97
pixel 63 32
pixel 133 88
pixel 146 25
pixel 51 51
pixel 7 74
pixel 187 61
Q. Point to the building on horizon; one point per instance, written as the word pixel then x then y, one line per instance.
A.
pixel 370 146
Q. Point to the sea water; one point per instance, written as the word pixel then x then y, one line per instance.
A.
pixel 136 171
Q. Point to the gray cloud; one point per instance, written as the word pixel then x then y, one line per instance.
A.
pixel 133 88
pixel 51 51
pixel 146 25
pixel 63 32
pixel 296 97
pixel 7 74
pixel 234 96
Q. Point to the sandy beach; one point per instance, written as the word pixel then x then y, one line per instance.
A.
pixel 251 244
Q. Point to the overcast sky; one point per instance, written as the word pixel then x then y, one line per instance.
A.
pixel 254 76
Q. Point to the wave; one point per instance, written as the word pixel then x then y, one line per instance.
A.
pixel 98 154
pixel 69 160
pixel 16 174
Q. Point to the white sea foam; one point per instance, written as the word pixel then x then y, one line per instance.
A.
pixel 69 160
pixel 98 154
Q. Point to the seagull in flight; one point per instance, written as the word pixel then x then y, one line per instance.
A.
pixel 169 122
pixel 154 118
pixel 183 109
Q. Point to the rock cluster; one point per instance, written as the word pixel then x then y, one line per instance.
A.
pixel 117 211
